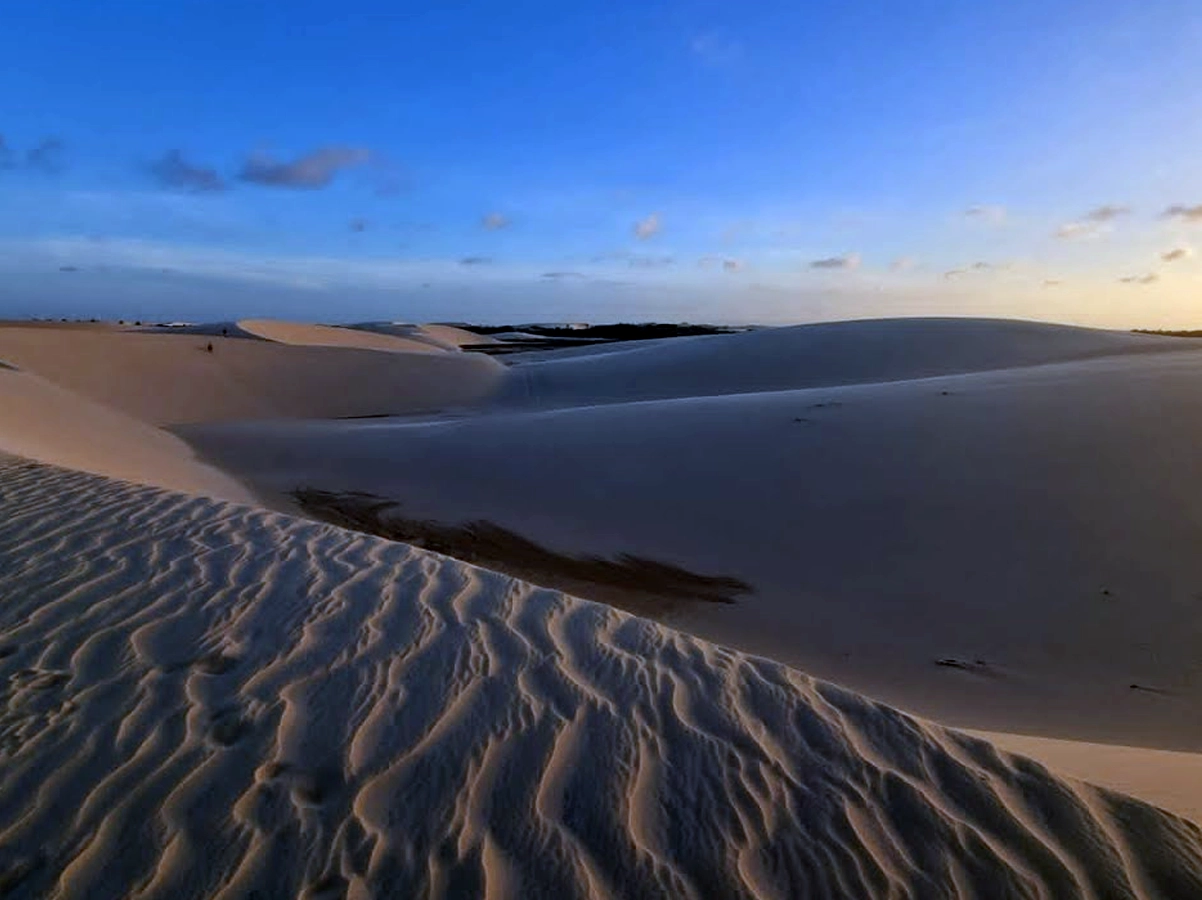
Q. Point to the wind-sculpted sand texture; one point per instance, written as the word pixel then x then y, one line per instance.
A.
pixel 205 700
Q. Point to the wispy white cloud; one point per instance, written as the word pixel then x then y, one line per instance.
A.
pixel 648 227
pixel 1150 278
pixel 1177 254
pixel 903 264
pixel 495 221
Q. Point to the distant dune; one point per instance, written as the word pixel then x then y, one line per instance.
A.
pixel 306 335
pixel 164 378
pixel 214 701
pixel 804 356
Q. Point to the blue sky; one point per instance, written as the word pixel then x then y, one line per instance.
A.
pixel 763 162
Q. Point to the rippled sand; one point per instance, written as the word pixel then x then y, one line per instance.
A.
pixel 199 699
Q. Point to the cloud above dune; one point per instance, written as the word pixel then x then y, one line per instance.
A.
pixel 990 215
pixel 1150 278
pixel 1191 214
pixel 175 172
pixel 648 227
pixel 1093 223
pixel 847 262
pixel 309 172
pixel 495 221
pixel 1177 254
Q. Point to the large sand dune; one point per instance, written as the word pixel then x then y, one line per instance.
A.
pixel 173 378
pixel 1012 550
pixel 213 701
pixel 803 356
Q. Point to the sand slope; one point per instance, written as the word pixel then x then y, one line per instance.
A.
pixel 214 701
pixel 1036 528
pixel 803 356
pixel 45 422
pixel 308 335
pixel 171 378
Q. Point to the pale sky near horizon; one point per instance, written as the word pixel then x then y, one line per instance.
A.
pixel 768 162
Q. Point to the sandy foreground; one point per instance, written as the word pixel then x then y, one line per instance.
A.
pixel 218 701
pixel 989 524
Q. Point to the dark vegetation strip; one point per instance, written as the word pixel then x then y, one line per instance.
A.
pixel 637 584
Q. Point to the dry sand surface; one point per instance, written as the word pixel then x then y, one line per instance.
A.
pixel 834 353
pixel 172 378
pixel 217 701
pixel 1012 550
pixel 306 335
pixel 43 421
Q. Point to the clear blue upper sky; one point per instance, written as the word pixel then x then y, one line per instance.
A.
pixel 772 161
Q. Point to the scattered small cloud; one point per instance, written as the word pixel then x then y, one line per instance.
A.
pixel 648 227
pixel 47 156
pixel 954 273
pixel 564 276
pixel 495 221
pixel 174 171
pixel 1150 278
pixel 1106 213
pixel 311 171
pixel 1177 253
pixel 68 268
pixel 990 215
pixel 1052 282
pixel 848 262
pixel 1191 214
pixel 714 49
pixel 982 267
pixel 732 265
pixel 476 261
pixel 1093 223
pixel 903 264
pixel 358 225
pixel 8 158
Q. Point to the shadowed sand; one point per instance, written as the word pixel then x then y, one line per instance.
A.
pixel 214 701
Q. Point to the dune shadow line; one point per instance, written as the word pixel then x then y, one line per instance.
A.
pixel 641 585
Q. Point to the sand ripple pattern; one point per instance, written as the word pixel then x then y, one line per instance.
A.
pixel 203 700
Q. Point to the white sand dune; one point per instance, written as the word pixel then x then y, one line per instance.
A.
pixel 172 378
pixel 1033 529
pixel 308 335
pixel 804 356
pixel 214 701
pixel 448 337
pixel 43 421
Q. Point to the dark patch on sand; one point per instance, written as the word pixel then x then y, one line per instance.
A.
pixel 634 583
